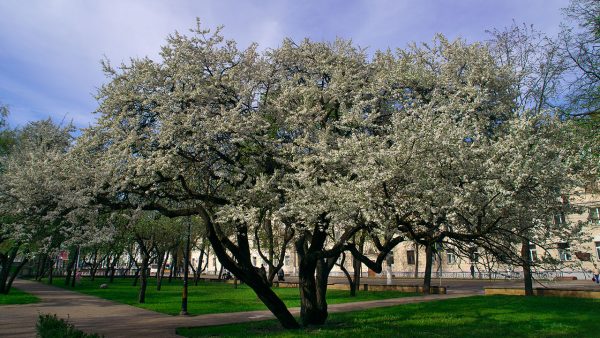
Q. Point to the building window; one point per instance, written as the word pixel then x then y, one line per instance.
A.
pixel 532 252
pixel 286 260
pixel 410 257
pixel 564 251
pixel 474 255
pixel 559 218
pixel 594 215
pixel 451 257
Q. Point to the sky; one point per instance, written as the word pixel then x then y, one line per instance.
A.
pixel 50 50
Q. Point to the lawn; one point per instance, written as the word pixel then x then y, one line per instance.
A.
pixel 478 316
pixel 208 297
pixel 16 296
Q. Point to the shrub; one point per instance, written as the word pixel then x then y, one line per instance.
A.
pixel 50 326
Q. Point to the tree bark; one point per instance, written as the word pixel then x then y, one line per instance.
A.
pixel 428 266
pixel 14 274
pixel 7 262
pixel 416 260
pixel 161 271
pixel 70 266
pixel 143 278
pixel 526 262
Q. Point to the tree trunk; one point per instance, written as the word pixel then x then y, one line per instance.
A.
pixel 70 266
pixel 160 257
pixel 143 278
pixel 311 312
pixel 221 272
pixel 428 265
pixel 173 272
pixel 14 274
pixel 351 281
pixel 113 264
pixel 50 272
pixel 527 278
pixel 199 268
pixel 161 271
pixel 7 262
pixel 416 260
pixel 244 270
pixel 41 267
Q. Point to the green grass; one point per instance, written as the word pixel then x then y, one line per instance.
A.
pixel 16 296
pixel 208 297
pixel 478 316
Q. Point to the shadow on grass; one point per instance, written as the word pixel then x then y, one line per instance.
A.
pixel 478 316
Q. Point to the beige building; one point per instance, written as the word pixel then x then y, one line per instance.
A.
pixel 576 259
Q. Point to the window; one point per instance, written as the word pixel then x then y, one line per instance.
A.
pixel 594 215
pixel 564 251
pixel 559 218
pixel 474 255
pixel 410 257
pixel 532 252
pixel 451 257
pixel 286 260
pixel 598 249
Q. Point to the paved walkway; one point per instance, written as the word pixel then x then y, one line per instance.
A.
pixel 92 314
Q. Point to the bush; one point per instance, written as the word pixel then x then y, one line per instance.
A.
pixel 50 326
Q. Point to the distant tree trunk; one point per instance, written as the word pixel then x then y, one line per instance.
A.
pixel 173 272
pixel 70 266
pixel 160 257
pixel 113 265
pixel 144 278
pixel 428 265
pixel 351 281
pixel 199 268
pixel 221 272
pixel 41 267
pixel 74 277
pixel 50 272
pixel 526 262
pixel 416 260
pixel 161 271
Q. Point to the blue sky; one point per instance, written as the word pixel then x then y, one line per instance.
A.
pixel 50 49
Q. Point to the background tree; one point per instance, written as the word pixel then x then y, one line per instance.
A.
pixel 31 194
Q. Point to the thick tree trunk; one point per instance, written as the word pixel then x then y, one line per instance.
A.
pixel 428 266
pixel 7 262
pixel 244 270
pixel 311 311
pixel 14 274
pixel 526 262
